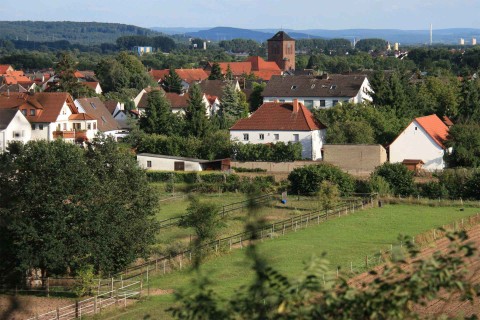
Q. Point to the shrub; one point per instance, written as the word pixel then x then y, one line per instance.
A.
pixel 472 187
pixel 84 282
pixel 399 178
pixel 306 180
pixel 455 180
pixel 433 190
pixel 379 185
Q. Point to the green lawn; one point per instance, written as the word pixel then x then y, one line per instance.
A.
pixel 347 239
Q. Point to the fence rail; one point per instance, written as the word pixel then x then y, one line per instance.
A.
pixel 226 209
pixel 117 296
pixel 178 261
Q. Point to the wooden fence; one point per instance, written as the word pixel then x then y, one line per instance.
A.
pixel 226 209
pixel 273 230
pixel 121 292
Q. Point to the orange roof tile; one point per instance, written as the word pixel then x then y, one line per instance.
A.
pixel 238 68
pixel 281 117
pixel 4 68
pixel 92 85
pixel 188 75
pixel 434 127
pixel 78 74
pixel 177 101
pixel 47 105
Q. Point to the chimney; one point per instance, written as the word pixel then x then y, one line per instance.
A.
pixel 296 106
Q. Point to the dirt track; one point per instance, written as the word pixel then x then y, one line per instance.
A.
pixel 24 307
pixel 448 305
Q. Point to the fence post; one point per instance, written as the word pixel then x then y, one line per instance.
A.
pixel 164 265
pixel 283 231
pixel 95 305
pixel 48 286
pixel 111 287
pixel 98 290
pixel 141 288
pixel 148 284
pixel 156 264
pixel 58 314
pixel 76 309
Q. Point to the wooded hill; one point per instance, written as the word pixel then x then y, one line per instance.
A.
pixel 85 33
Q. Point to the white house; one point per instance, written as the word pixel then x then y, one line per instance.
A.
pixel 13 127
pixel 160 162
pixel 318 91
pixel 285 122
pixel 52 115
pixel 421 140
pixel 95 107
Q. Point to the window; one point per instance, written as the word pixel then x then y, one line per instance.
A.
pixel 89 126
pixel 64 127
pixel 179 166
pixel 245 137
pixel 149 164
pixel 333 87
pixel 24 111
pixel 94 126
pixel 308 104
pixel 33 126
pixel 93 105
pixel 16 134
pixel 334 102
pixel 276 136
pixel 294 87
pixel 40 126
pixel 77 126
pixel 296 137
pixel 32 112
pixel 322 103
pixel 281 100
pixel 416 128
pixel 261 136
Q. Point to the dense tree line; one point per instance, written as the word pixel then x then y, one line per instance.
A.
pixel 51 222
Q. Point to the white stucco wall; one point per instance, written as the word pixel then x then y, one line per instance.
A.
pixel 417 144
pixel 166 164
pixel 42 134
pixel 312 141
pixel 19 129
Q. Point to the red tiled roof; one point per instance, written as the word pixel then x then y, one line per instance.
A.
pixel 4 68
pixel 92 85
pixel 280 116
pixel 47 105
pixel 177 101
pixel 447 121
pixel 256 65
pixel 211 99
pixel 78 74
pixel 434 127
pixel 80 116
pixel 188 75
pixel 111 105
pixel 14 77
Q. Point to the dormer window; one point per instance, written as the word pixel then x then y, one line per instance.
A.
pixel 24 111
pixel 93 105
pixel 32 112
pixel 333 87
pixel 294 87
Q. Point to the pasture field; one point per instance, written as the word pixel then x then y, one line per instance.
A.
pixel 346 240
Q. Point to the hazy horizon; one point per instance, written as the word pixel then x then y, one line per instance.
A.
pixel 268 14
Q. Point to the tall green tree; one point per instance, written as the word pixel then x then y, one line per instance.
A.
pixel 463 142
pixel 229 73
pixel 231 107
pixel 158 117
pixel 469 108
pixel 256 99
pixel 55 223
pixel 172 82
pixel 196 121
pixel 67 81
pixel 216 72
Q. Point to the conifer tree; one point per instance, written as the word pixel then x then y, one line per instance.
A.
pixel 216 72
pixel 232 108
pixel 196 121
pixel 158 116
pixel 172 82
pixel 229 73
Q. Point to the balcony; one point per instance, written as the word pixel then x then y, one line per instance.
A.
pixel 77 135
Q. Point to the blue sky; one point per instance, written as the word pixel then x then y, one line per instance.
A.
pixel 297 14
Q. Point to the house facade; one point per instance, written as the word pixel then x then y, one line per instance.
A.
pixel 318 91
pixel 282 122
pixel 13 127
pixel 52 115
pixel 421 140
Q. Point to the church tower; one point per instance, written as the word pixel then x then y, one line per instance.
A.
pixel 281 49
